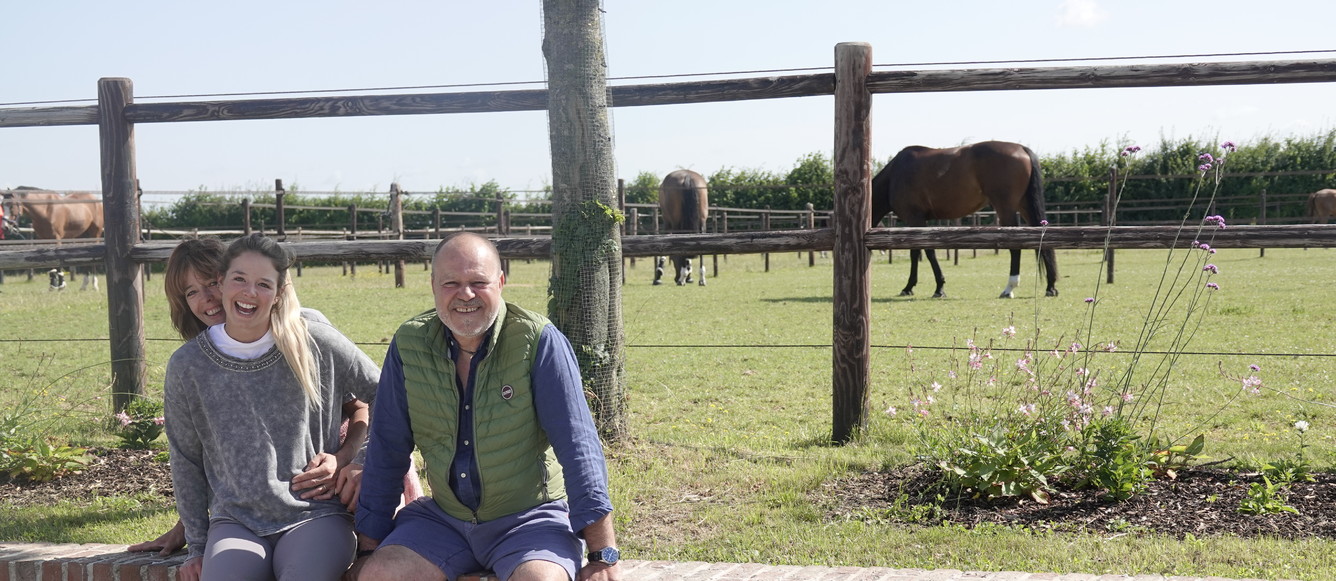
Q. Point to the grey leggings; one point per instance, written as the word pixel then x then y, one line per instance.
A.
pixel 317 549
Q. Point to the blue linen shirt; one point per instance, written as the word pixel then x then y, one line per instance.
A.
pixel 562 413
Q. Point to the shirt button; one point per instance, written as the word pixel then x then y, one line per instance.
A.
pixel 463 475
pixel 466 442
pixel 466 406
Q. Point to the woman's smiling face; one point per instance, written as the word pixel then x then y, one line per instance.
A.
pixel 250 287
pixel 202 298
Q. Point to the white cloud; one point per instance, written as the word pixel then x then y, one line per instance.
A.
pixel 1080 14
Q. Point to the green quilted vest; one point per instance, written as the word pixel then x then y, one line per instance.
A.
pixel 516 465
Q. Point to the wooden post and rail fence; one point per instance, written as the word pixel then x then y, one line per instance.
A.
pixel 850 236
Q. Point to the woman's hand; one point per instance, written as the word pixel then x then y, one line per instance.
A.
pixel 170 542
pixel 318 480
pixel 349 485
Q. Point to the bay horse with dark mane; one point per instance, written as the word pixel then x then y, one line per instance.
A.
pixel 60 217
pixel 922 184
pixel 684 205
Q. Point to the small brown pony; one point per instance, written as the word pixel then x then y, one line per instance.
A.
pixel 1322 205
pixel 922 184
pixel 684 205
pixel 61 217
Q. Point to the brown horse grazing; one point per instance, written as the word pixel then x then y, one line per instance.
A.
pixel 922 184
pixel 684 204
pixel 61 217
pixel 1322 205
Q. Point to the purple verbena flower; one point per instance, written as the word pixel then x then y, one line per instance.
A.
pixel 1206 157
pixel 1212 286
pixel 1229 146
pixel 1254 367
pixel 1204 246
pixel 1205 167
pixel 1129 150
pixel 1090 299
pixel 1043 222
pixel 1212 268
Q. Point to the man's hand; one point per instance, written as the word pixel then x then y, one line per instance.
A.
pixel 170 542
pixel 318 479
pixel 599 572
pixel 190 570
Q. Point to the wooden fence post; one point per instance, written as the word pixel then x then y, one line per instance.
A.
pixel 811 225
pixel 246 216
pixel 352 235
pixel 281 233
pixel 765 227
pixel 1261 219
pixel 125 284
pixel 1107 219
pixel 397 222
pixel 851 298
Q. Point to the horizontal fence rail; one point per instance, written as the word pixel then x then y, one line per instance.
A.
pixel 775 87
pixel 821 239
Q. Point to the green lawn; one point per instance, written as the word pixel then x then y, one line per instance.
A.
pixel 730 398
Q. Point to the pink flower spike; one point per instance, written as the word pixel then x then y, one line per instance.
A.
pixel 1255 367
pixel 1205 167
pixel 1090 299
pixel 1229 146
pixel 1212 286
pixel 1206 157
pixel 1213 269
pixel 1043 222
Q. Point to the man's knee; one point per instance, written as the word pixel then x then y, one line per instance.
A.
pixel 540 571
pixel 395 563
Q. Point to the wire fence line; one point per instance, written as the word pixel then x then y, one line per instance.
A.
pixel 805 346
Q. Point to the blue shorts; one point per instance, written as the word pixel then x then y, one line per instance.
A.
pixel 457 547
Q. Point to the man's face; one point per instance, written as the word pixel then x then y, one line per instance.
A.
pixel 466 283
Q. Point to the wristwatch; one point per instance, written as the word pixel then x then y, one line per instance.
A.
pixel 606 555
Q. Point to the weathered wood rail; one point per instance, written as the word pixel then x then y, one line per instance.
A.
pixel 852 83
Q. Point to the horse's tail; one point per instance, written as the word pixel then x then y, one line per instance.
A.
pixel 691 210
pixel 1034 206
pixel 1312 208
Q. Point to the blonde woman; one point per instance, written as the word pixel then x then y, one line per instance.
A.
pixel 250 404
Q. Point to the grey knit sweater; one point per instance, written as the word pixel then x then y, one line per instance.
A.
pixel 239 430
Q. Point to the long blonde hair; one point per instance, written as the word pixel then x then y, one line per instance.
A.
pixel 285 321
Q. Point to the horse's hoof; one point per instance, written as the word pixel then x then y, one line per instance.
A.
pixel 702 282
pixel 1004 296
pixel 939 295
pixel 658 282
pixel 1051 292
pixel 906 293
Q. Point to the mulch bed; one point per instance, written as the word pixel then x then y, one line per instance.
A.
pixel 110 472
pixel 1201 501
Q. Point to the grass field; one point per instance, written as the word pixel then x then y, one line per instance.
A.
pixel 730 397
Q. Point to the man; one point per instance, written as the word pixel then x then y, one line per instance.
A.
pixel 491 395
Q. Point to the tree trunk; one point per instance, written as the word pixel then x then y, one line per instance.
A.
pixel 585 288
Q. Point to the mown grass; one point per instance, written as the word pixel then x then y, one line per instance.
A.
pixel 730 400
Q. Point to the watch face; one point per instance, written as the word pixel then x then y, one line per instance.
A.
pixel 607 555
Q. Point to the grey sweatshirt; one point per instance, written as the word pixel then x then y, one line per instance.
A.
pixel 239 430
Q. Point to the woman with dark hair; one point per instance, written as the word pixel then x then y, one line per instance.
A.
pixel 251 404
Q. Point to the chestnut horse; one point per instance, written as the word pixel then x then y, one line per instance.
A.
pixel 922 184
pixel 1322 205
pixel 61 217
pixel 684 205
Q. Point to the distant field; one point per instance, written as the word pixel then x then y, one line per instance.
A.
pixel 730 384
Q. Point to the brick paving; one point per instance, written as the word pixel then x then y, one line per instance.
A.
pixel 95 562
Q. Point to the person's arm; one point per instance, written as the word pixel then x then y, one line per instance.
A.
pixel 388 452
pixel 599 535
pixel 564 416
pixel 187 456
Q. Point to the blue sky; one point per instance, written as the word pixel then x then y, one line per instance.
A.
pixel 58 50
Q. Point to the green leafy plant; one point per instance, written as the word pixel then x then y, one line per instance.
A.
pixel 36 460
pixel 1167 460
pixel 1292 470
pixel 1018 461
pixel 1266 497
pixel 140 423
pixel 1112 457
